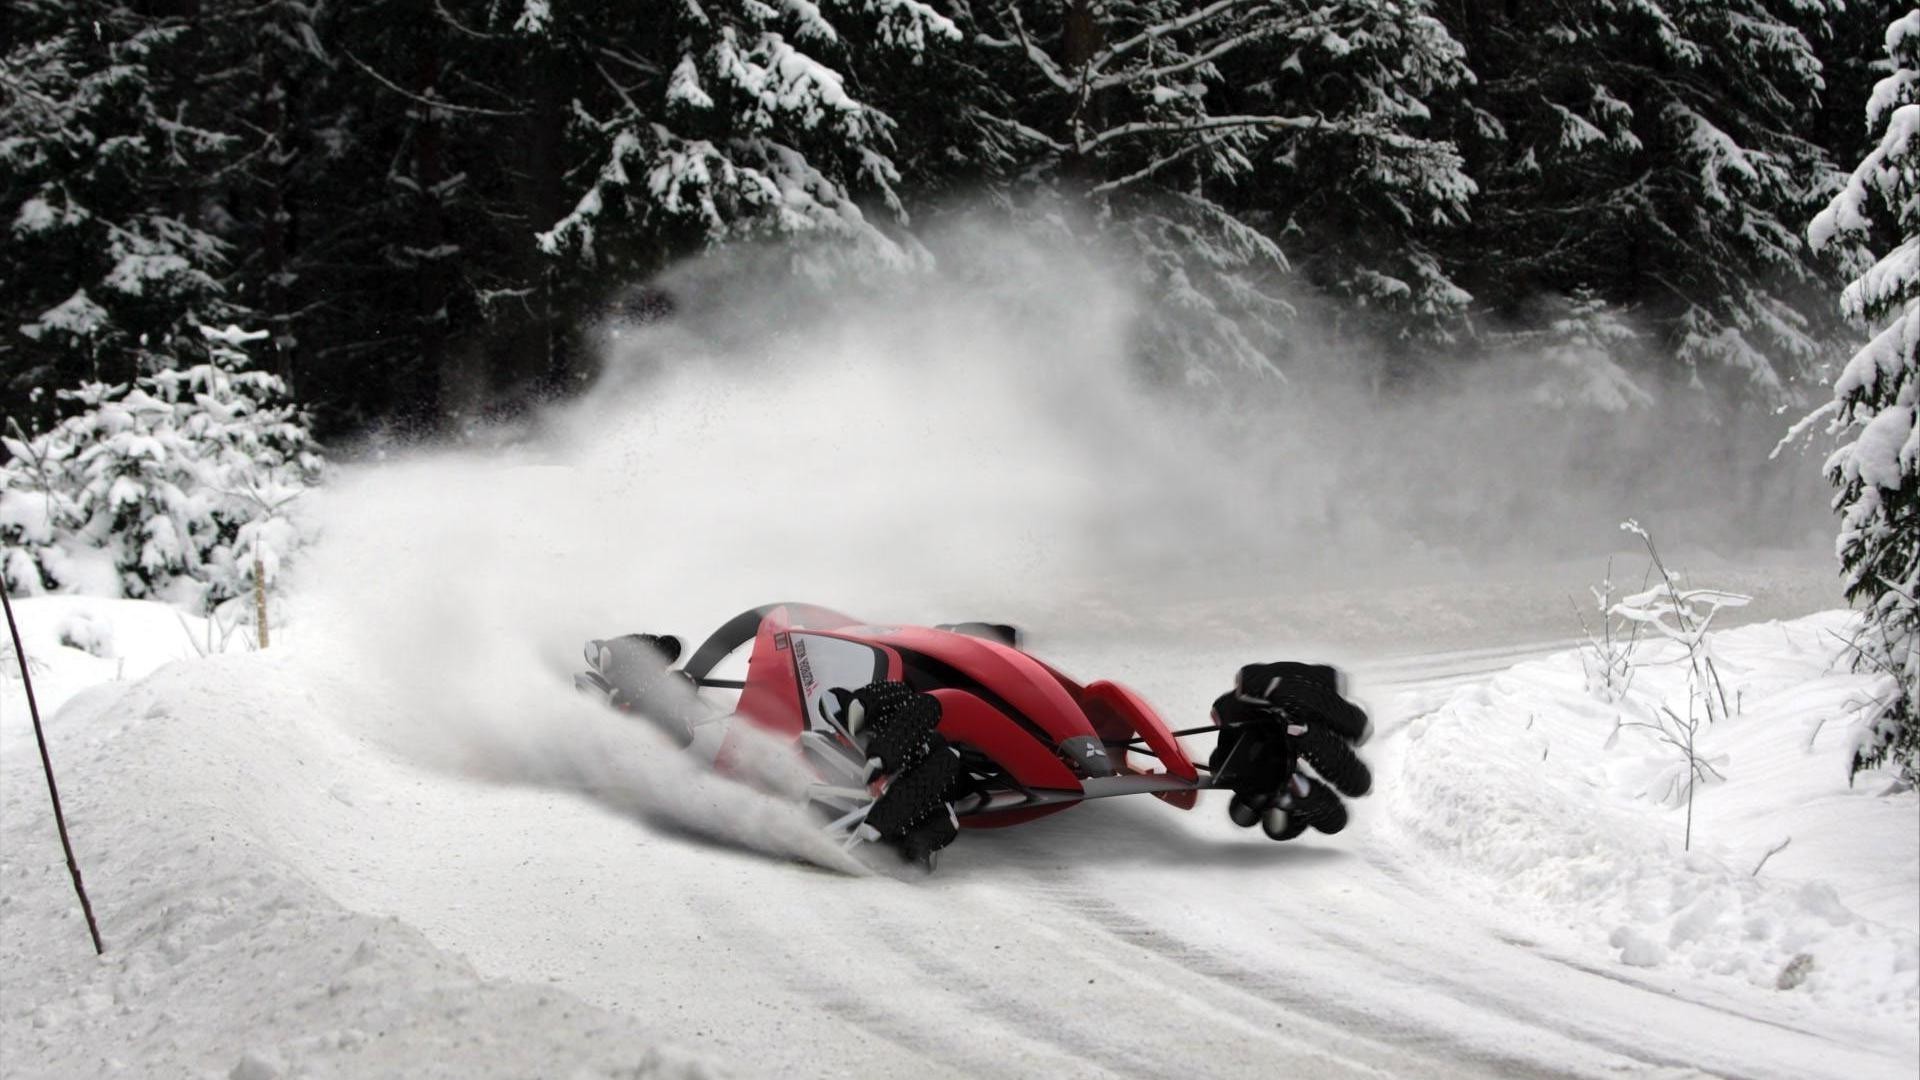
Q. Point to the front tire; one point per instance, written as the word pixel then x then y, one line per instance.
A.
pixel 916 795
pixel 896 728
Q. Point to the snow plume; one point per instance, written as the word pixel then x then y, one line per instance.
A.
pixel 989 433
pixel 450 599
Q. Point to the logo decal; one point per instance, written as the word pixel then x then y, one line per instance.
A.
pixel 805 666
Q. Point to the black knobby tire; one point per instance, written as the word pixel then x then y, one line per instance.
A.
pixel 916 794
pixel 1320 808
pixel 1290 825
pixel 1254 754
pixel 1244 811
pixel 634 665
pixel 934 832
pixel 1309 703
pixel 1335 761
pixel 899 724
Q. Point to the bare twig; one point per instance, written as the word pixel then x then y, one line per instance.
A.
pixel 199 649
pixel 429 102
pixel 1775 850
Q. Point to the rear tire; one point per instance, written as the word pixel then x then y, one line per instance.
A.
pixel 896 724
pixel 915 796
pixel 923 842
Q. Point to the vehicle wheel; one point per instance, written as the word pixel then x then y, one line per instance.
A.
pixel 1311 693
pixel 1243 812
pixel 914 796
pixel 1335 761
pixel 632 663
pixel 923 842
pixel 1318 809
pixel 893 723
pixel 1280 823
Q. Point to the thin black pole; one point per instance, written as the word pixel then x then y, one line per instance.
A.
pixel 1204 729
pixel 46 762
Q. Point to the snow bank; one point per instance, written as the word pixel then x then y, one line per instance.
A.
pixel 1523 791
pixel 207 801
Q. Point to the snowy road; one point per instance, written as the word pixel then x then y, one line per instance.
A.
pixel 1117 939
pixel 1112 940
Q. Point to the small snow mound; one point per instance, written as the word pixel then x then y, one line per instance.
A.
pixel 211 835
pixel 1636 948
pixel 258 1065
pixel 89 632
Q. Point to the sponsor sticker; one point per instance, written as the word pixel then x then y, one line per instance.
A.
pixel 805 666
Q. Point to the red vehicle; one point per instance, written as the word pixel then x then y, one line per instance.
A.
pixel 915 732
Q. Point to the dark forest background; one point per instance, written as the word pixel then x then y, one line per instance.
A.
pixel 430 204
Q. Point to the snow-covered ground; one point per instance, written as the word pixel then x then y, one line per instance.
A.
pixel 397 843
pixel 296 878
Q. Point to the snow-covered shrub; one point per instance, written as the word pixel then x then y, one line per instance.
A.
pixel 167 488
pixel 1878 469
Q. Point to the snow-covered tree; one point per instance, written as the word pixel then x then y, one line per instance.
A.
pixel 1360 200
pixel 168 487
pixel 277 79
pixel 1656 152
pixel 1878 468
pixel 733 119
pixel 106 257
pixel 1202 140
pixel 1573 355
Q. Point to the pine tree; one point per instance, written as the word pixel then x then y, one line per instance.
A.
pixel 1362 201
pixel 280 200
pixel 731 119
pixel 1878 470
pixel 1201 140
pixel 1655 154
pixel 107 259
pixel 402 156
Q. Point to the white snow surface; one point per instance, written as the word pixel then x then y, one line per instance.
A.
pixel 398 844
pixel 292 881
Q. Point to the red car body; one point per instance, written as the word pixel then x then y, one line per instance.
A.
pixel 1034 740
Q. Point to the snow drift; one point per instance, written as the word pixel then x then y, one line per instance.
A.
pixel 1524 791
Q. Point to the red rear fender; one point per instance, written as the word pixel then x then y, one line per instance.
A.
pixel 1013 676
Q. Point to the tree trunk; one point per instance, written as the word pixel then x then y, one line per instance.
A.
pixel 1081 38
pixel 455 394
pixel 274 239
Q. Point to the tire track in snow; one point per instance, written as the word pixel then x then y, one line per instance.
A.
pixel 862 983
pixel 1353 1022
pixel 1157 1042
pixel 1455 669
